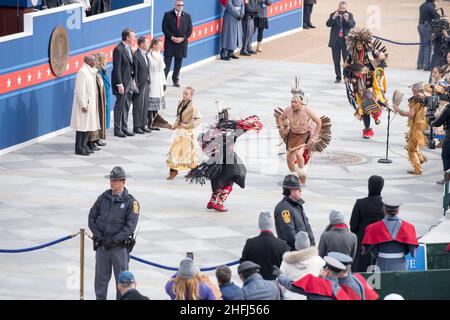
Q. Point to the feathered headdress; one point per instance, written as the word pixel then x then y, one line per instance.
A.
pixel 359 34
pixel 296 91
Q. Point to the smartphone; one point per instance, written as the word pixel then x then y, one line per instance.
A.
pixel 190 255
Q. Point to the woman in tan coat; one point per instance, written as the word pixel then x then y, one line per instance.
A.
pixel 85 117
pixel 182 155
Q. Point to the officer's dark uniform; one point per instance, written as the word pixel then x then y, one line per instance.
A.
pixel 444 119
pixel 112 221
pixel 290 217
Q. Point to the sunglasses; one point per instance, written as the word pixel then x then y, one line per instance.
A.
pixel 180 5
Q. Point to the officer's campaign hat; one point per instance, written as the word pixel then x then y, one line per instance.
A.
pixel 334 265
pixel 117 173
pixel 342 258
pixel 291 182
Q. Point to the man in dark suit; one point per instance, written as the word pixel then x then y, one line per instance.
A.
pixel 365 212
pixel 142 78
pixel 265 249
pixel 48 4
pixel 123 83
pixel 177 28
pixel 340 22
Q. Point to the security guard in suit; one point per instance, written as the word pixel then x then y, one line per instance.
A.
pixel 289 215
pixel 112 220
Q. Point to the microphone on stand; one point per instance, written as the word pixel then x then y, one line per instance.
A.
pixel 396 100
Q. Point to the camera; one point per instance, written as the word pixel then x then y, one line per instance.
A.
pixel 440 25
pixel 432 103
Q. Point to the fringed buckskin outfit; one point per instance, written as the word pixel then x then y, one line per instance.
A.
pixel 416 138
pixel 182 155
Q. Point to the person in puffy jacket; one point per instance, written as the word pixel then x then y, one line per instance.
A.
pixel 255 287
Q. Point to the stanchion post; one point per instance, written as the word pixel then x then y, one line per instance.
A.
pixel 82 233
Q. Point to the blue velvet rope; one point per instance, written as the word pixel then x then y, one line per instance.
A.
pixel 45 245
pixel 399 43
pixel 160 266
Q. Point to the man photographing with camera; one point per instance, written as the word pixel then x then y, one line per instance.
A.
pixel 340 22
pixel 440 39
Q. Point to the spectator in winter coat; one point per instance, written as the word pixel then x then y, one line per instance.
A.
pixel 337 237
pixel 187 284
pixel 366 211
pixel 229 290
pixel 255 287
pixel 265 250
pixel 297 264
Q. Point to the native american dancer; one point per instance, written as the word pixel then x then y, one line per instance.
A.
pixel 417 124
pixel 223 167
pixel 182 154
pixel 302 131
pixel 365 78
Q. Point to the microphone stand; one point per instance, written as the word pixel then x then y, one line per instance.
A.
pixel 387 160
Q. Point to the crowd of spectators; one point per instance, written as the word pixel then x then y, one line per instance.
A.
pixel 270 269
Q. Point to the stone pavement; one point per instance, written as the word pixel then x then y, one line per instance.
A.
pixel 391 19
pixel 46 190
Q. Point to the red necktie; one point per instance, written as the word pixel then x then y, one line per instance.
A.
pixel 178 21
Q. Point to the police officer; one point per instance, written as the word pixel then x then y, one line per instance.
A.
pixel 289 215
pixel 444 119
pixel 112 220
pixel 354 285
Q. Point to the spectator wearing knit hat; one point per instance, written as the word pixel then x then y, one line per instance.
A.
pixel 297 264
pixel 337 237
pixel 187 284
pixel 265 250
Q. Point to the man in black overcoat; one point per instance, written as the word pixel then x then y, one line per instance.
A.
pixel 177 28
pixel 366 211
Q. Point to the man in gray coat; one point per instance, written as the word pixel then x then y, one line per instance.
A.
pixel 255 287
pixel 337 237
pixel 248 26
pixel 231 37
